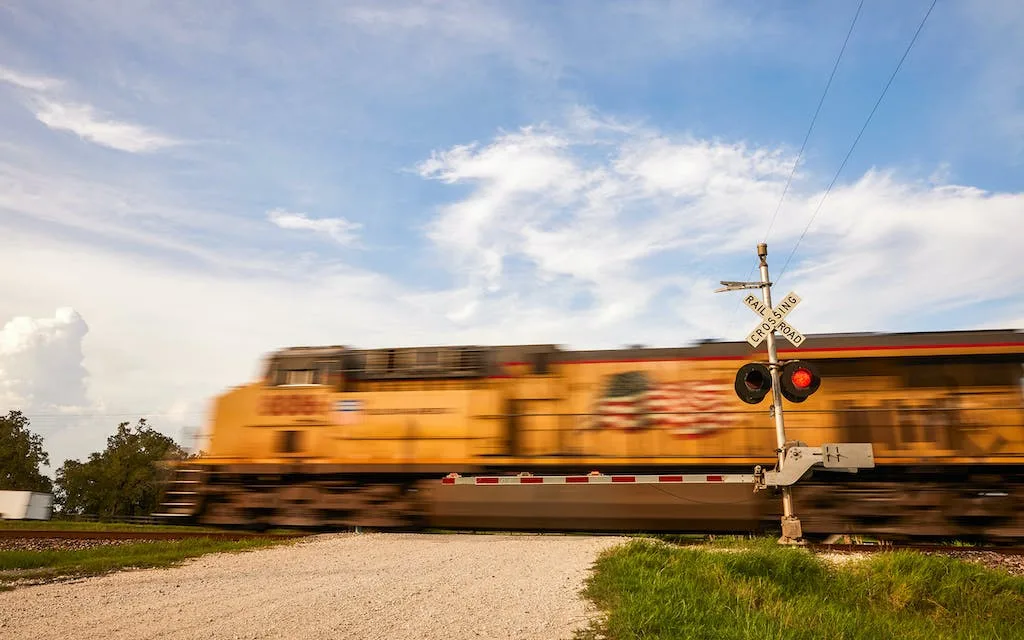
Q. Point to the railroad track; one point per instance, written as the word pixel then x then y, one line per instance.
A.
pixel 8 534
pixel 933 548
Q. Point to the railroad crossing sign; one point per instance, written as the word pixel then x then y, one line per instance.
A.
pixel 772 319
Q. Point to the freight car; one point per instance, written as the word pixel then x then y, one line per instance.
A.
pixel 341 437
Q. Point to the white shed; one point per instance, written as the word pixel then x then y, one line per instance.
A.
pixel 25 505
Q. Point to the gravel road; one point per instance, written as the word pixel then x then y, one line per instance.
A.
pixel 332 586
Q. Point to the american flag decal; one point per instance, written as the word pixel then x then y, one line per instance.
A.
pixel 632 402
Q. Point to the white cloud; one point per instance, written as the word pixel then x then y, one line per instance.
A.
pixel 85 122
pixel 27 81
pixel 585 204
pixel 339 229
pixel 586 209
pixel 41 362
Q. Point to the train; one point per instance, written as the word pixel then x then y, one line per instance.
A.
pixel 340 437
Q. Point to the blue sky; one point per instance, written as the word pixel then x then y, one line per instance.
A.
pixel 202 185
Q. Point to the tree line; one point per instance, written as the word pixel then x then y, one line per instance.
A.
pixel 124 479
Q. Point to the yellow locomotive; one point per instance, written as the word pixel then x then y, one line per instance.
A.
pixel 335 436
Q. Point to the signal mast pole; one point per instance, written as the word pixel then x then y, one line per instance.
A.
pixel 791 530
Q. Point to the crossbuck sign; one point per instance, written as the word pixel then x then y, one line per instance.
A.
pixel 773 319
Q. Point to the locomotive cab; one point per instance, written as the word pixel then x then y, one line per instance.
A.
pixel 305 366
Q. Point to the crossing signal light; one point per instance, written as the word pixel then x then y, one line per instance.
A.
pixel 799 380
pixel 753 382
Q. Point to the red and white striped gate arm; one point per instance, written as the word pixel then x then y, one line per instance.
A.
pixel 844 456
pixel 734 478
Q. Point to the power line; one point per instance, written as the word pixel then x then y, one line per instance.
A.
pixel 857 139
pixel 807 136
pixel 810 128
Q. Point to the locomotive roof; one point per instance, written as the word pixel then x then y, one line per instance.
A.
pixel 822 342
pixel 705 348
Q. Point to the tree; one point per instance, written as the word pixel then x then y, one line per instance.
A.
pixel 122 480
pixel 21 456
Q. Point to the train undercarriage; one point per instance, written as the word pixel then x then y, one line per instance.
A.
pixel 888 502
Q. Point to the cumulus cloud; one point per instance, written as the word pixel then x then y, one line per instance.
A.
pixel 41 362
pixel 87 123
pixel 339 229
pixel 555 199
pixel 605 210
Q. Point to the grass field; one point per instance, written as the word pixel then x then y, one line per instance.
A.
pixel 651 589
pixel 18 567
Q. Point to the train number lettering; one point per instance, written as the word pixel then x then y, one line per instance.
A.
pixel 290 405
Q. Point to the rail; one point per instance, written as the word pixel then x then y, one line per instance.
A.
pixel 92 517
pixel 58 534
pixel 936 548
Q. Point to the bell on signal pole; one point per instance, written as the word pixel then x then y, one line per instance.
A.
pixel 753 382
pixel 799 380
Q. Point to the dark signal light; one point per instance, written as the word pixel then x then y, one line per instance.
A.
pixel 753 382
pixel 799 380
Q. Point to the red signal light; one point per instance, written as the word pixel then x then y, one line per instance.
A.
pixel 802 378
pixel 799 380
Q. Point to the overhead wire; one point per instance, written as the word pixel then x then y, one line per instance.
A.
pixel 857 139
pixel 814 119
pixel 807 136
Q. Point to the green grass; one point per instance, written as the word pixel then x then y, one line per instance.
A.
pixel 31 567
pixel 757 589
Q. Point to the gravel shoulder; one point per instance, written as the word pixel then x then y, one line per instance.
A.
pixel 392 586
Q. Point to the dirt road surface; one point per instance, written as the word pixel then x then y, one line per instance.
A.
pixel 393 586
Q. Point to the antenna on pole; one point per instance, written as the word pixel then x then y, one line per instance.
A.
pixel 732 285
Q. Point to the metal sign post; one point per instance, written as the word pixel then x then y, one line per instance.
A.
pixel 772 321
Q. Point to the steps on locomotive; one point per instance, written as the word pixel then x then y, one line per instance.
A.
pixel 181 496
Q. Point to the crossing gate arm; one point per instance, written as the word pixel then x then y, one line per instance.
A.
pixel 599 478
pixel 799 459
